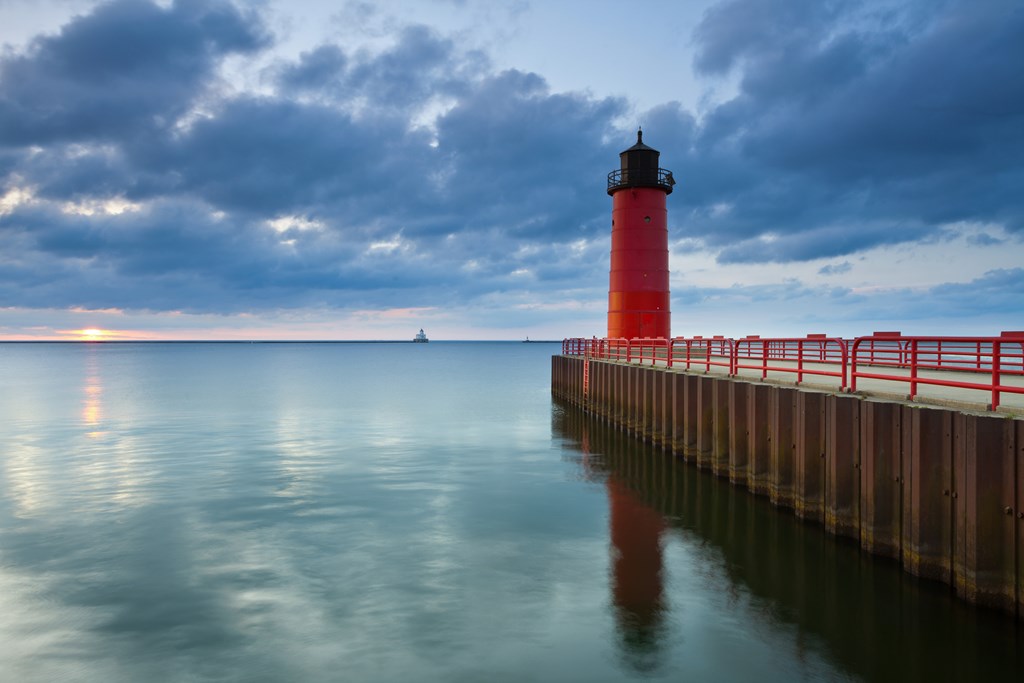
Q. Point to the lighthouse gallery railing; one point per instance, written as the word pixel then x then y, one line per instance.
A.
pixel 641 177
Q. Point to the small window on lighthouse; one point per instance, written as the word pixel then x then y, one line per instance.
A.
pixel 647 219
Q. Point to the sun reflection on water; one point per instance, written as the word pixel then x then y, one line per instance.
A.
pixel 92 401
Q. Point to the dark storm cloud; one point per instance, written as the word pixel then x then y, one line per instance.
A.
pixel 821 242
pixel 268 156
pixel 176 256
pixel 853 114
pixel 314 71
pixel 509 156
pixel 361 180
pixel 127 67
pixel 527 160
pixel 420 66
pixel 420 174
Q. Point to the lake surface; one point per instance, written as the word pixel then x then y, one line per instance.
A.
pixel 401 512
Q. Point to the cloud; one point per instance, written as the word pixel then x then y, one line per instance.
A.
pixel 984 305
pixel 835 268
pixel 996 293
pixel 420 175
pixel 856 114
pixel 421 67
pixel 225 203
pixel 315 70
pixel 126 68
pixel 983 239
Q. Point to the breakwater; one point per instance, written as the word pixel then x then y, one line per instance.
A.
pixel 939 490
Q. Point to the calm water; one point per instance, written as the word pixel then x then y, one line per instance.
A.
pixel 284 512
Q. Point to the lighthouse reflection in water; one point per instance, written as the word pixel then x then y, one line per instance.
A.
pixel 708 580
pixel 635 535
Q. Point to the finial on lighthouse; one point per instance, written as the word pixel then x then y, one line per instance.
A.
pixel 639 134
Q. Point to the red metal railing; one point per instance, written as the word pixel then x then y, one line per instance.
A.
pixel 815 355
pixel 986 364
pixel 699 352
pixel 979 363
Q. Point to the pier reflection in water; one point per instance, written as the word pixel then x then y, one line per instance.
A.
pixel 860 616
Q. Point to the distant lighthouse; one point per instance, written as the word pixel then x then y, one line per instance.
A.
pixel 638 294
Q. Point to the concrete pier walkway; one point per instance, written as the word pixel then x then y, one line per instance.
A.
pixel 784 373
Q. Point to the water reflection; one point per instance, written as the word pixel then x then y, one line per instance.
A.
pixel 92 392
pixel 637 589
pixel 776 574
pixel 635 535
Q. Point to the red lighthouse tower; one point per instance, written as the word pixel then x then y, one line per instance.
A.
pixel 638 295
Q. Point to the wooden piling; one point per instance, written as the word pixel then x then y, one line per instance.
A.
pixel 1019 515
pixel 649 396
pixel 809 465
pixel 739 432
pixel 927 476
pixel 658 407
pixel 759 439
pixel 984 485
pixel 842 462
pixel 880 478
pixel 705 420
pixel 782 482
pixel 679 414
pixel 720 427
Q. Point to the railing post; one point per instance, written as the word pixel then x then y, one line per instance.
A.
pixel 844 358
pixel 764 359
pixel 913 368
pixel 800 362
pixel 996 350
pixel 853 364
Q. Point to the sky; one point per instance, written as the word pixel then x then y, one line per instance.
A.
pixel 360 170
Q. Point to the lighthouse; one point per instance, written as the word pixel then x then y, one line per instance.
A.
pixel 638 294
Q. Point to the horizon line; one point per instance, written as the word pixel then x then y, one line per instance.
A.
pixel 266 341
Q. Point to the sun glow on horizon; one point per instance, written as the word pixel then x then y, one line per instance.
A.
pixel 92 334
